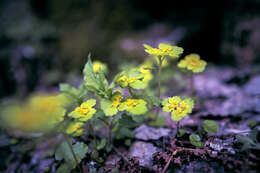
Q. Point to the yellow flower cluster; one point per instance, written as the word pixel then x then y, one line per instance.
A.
pixel 39 114
pixel 147 74
pixel 164 50
pixel 75 129
pixel 193 62
pixel 85 111
pixel 97 65
pixel 134 106
pixel 133 78
pixel 178 107
pixel 111 107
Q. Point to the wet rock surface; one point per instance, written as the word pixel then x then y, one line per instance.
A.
pixel 145 132
pixel 143 151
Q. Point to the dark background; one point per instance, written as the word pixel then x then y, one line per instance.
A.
pixel 45 42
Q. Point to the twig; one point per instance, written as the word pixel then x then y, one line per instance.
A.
pixel 169 161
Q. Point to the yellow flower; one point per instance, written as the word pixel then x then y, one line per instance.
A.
pixel 179 108
pixel 133 78
pixel 41 113
pixel 75 129
pixel 164 50
pixel 134 106
pixel 111 107
pixel 148 76
pixel 172 51
pixel 193 62
pixel 97 65
pixel 85 111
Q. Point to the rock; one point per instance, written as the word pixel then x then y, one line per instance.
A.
pixel 252 87
pixel 143 151
pixel 235 105
pixel 223 145
pixel 210 87
pixel 149 133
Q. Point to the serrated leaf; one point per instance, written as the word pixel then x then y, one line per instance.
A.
pixel 195 140
pixel 210 126
pixel 102 144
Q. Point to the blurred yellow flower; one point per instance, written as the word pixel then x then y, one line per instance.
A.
pixel 179 108
pixel 85 111
pixel 193 62
pixel 148 76
pixel 97 65
pixel 40 113
pixel 164 50
pixel 75 129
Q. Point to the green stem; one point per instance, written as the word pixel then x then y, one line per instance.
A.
pixel 91 129
pixel 72 151
pixel 159 76
pixel 178 128
pixel 192 90
pixel 130 91
pixel 159 83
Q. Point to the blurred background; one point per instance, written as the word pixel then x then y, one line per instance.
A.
pixel 45 42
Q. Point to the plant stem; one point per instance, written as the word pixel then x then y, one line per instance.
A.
pixel 130 91
pixel 71 150
pixel 159 76
pixel 192 91
pixel 160 59
pixel 91 129
pixel 178 128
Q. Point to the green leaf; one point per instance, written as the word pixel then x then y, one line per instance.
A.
pixel 76 94
pixel 128 142
pixel 125 132
pixel 115 170
pixel 64 168
pixel 210 126
pixel 127 121
pixel 160 121
pixel 195 140
pixel 64 152
pixel 181 132
pixel 96 82
pixel 102 144
pixel 151 100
